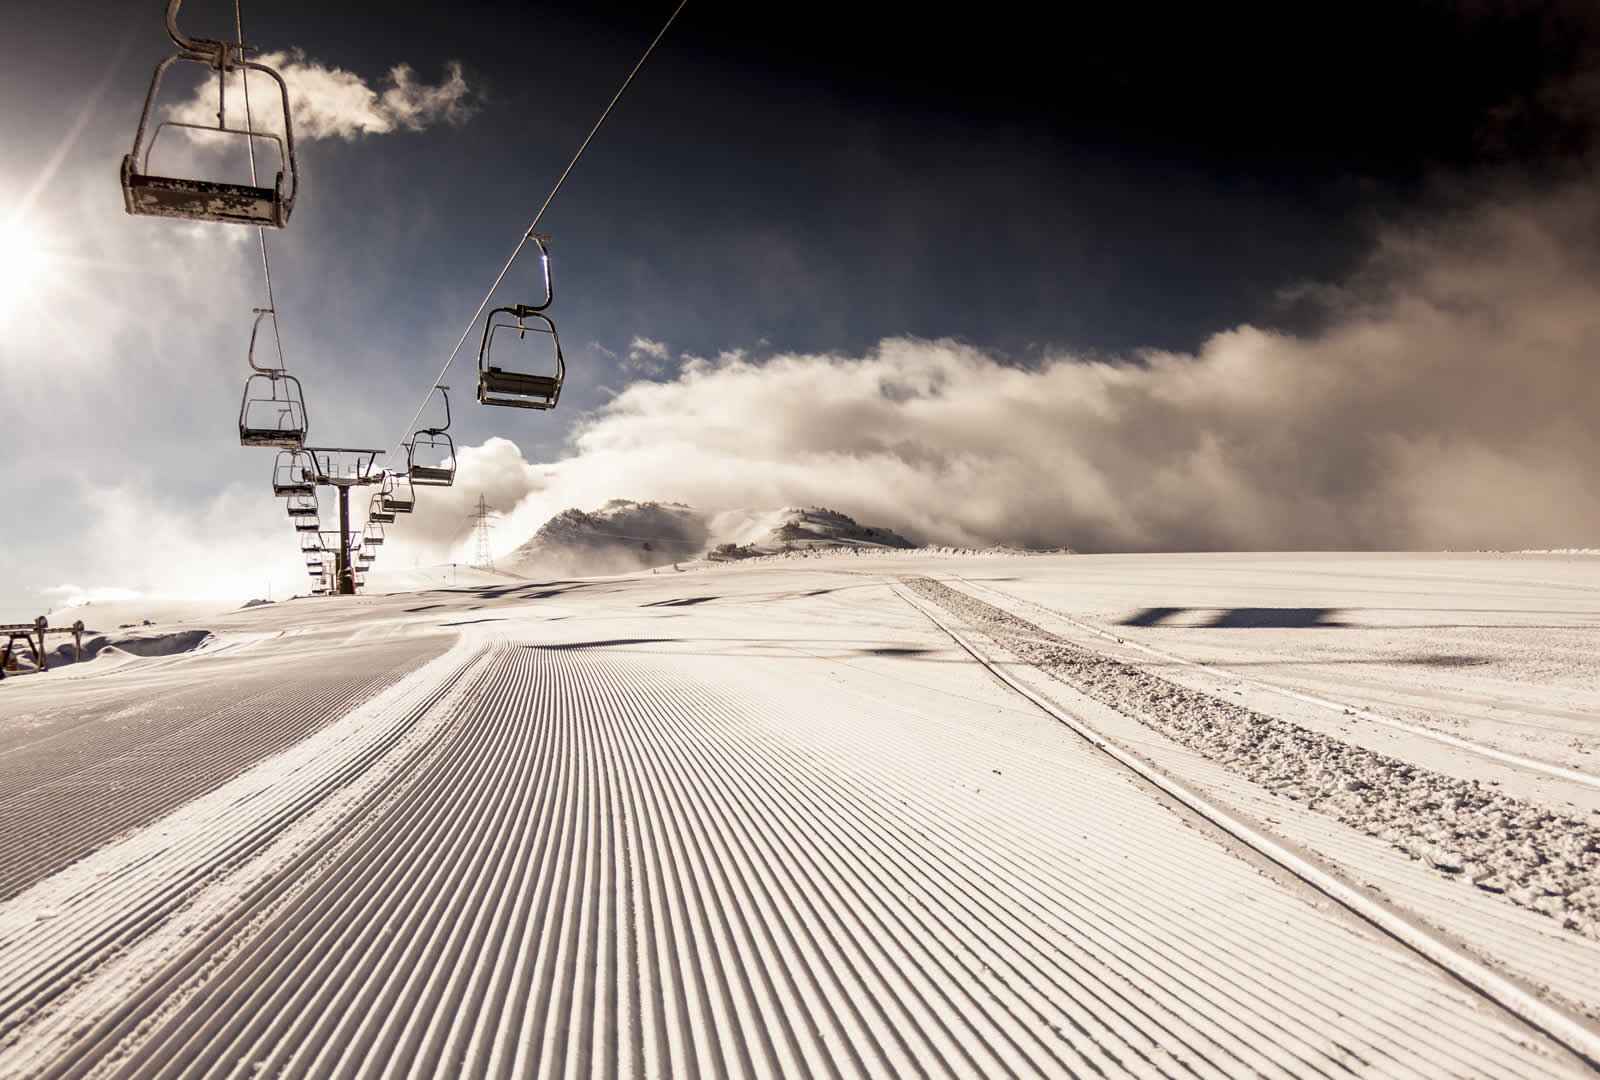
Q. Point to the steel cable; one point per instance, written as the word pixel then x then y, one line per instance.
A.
pixel 529 231
pixel 250 144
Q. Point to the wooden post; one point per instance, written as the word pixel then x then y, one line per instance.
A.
pixel 39 624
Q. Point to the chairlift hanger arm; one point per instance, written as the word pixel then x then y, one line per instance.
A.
pixel 444 392
pixel 184 41
pixel 255 329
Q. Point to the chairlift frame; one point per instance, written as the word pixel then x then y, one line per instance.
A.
pixel 372 535
pixel 376 511
pixel 497 386
pixel 292 397
pixel 399 497
pixel 299 506
pixel 206 200
pixel 307 524
pixel 288 478
pixel 433 438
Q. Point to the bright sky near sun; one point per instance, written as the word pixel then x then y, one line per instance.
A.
pixel 1188 280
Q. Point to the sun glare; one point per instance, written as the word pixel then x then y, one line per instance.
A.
pixel 21 260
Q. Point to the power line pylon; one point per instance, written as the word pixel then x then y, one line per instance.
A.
pixel 484 559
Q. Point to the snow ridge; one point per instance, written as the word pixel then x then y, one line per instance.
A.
pixel 1538 858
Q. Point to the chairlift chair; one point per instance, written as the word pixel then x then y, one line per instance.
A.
pixel 299 506
pixel 210 200
pixel 372 535
pixel 399 496
pixel 432 442
pixel 273 412
pixel 307 524
pixel 319 590
pixel 498 385
pixel 294 473
pixel 376 512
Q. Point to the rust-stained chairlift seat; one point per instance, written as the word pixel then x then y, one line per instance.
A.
pixel 203 200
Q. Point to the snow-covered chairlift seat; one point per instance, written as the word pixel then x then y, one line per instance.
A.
pixel 144 192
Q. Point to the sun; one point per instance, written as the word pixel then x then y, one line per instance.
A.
pixel 22 260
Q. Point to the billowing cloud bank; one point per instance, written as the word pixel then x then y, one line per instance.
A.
pixel 1451 402
pixel 329 102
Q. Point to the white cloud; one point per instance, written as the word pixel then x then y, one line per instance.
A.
pixel 1449 404
pixel 78 595
pixel 330 102
pixel 646 357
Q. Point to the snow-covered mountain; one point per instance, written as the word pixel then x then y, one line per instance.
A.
pixel 742 533
pixel 623 535
pixel 618 537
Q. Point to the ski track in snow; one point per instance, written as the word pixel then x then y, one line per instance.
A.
pixel 708 837
pixel 1537 857
pixel 69 788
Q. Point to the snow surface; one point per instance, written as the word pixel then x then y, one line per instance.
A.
pixel 763 817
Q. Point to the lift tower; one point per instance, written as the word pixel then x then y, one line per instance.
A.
pixel 343 468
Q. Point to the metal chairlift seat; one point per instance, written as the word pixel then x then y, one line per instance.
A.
pixel 519 390
pixel 319 590
pixel 376 512
pixel 298 506
pixel 209 200
pixel 399 497
pixel 372 535
pixel 292 475
pixel 273 411
pixel 433 440
pixel 498 385
pixel 307 525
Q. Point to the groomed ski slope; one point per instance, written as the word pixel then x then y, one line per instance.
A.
pixel 764 821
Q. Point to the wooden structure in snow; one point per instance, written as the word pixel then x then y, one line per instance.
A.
pixel 28 632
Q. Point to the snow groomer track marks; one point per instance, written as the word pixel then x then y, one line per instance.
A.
pixel 794 832
pixel 66 792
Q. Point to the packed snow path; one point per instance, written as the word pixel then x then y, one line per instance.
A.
pixel 750 823
pixel 83 766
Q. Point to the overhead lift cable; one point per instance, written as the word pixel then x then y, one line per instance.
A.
pixel 530 233
pixel 250 139
pixel 251 435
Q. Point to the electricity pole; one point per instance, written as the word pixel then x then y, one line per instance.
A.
pixel 484 559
